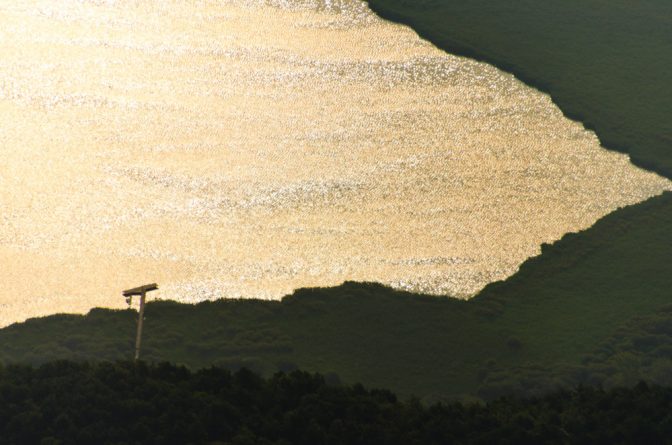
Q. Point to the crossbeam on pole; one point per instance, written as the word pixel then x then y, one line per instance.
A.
pixel 140 290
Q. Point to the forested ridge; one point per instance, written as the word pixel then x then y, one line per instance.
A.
pixel 527 335
pixel 125 403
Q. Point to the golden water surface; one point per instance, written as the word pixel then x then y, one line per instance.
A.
pixel 247 148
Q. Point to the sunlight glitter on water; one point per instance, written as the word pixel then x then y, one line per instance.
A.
pixel 246 148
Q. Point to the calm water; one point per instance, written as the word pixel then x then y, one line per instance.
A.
pixel 246 148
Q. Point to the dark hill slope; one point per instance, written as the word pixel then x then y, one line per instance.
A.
pixel 560 309
pixel 605 63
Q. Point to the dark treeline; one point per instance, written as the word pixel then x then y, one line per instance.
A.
pixel 123 403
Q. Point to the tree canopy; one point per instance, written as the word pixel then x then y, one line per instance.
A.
pixel 66 402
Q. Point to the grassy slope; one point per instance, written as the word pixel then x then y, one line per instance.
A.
pixel 606 63
pixel 560 307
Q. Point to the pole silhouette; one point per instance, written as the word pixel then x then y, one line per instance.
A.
pixel 142 293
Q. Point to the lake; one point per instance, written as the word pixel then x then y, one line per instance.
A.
pixel 247 148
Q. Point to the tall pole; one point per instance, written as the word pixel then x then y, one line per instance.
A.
pixel 141 317
pixel 141 292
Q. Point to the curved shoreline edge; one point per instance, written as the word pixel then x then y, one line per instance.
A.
pixel 399 12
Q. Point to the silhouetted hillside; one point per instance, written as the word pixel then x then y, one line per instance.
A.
pixel 546 326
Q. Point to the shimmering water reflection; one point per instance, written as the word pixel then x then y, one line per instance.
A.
pixel 246 148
